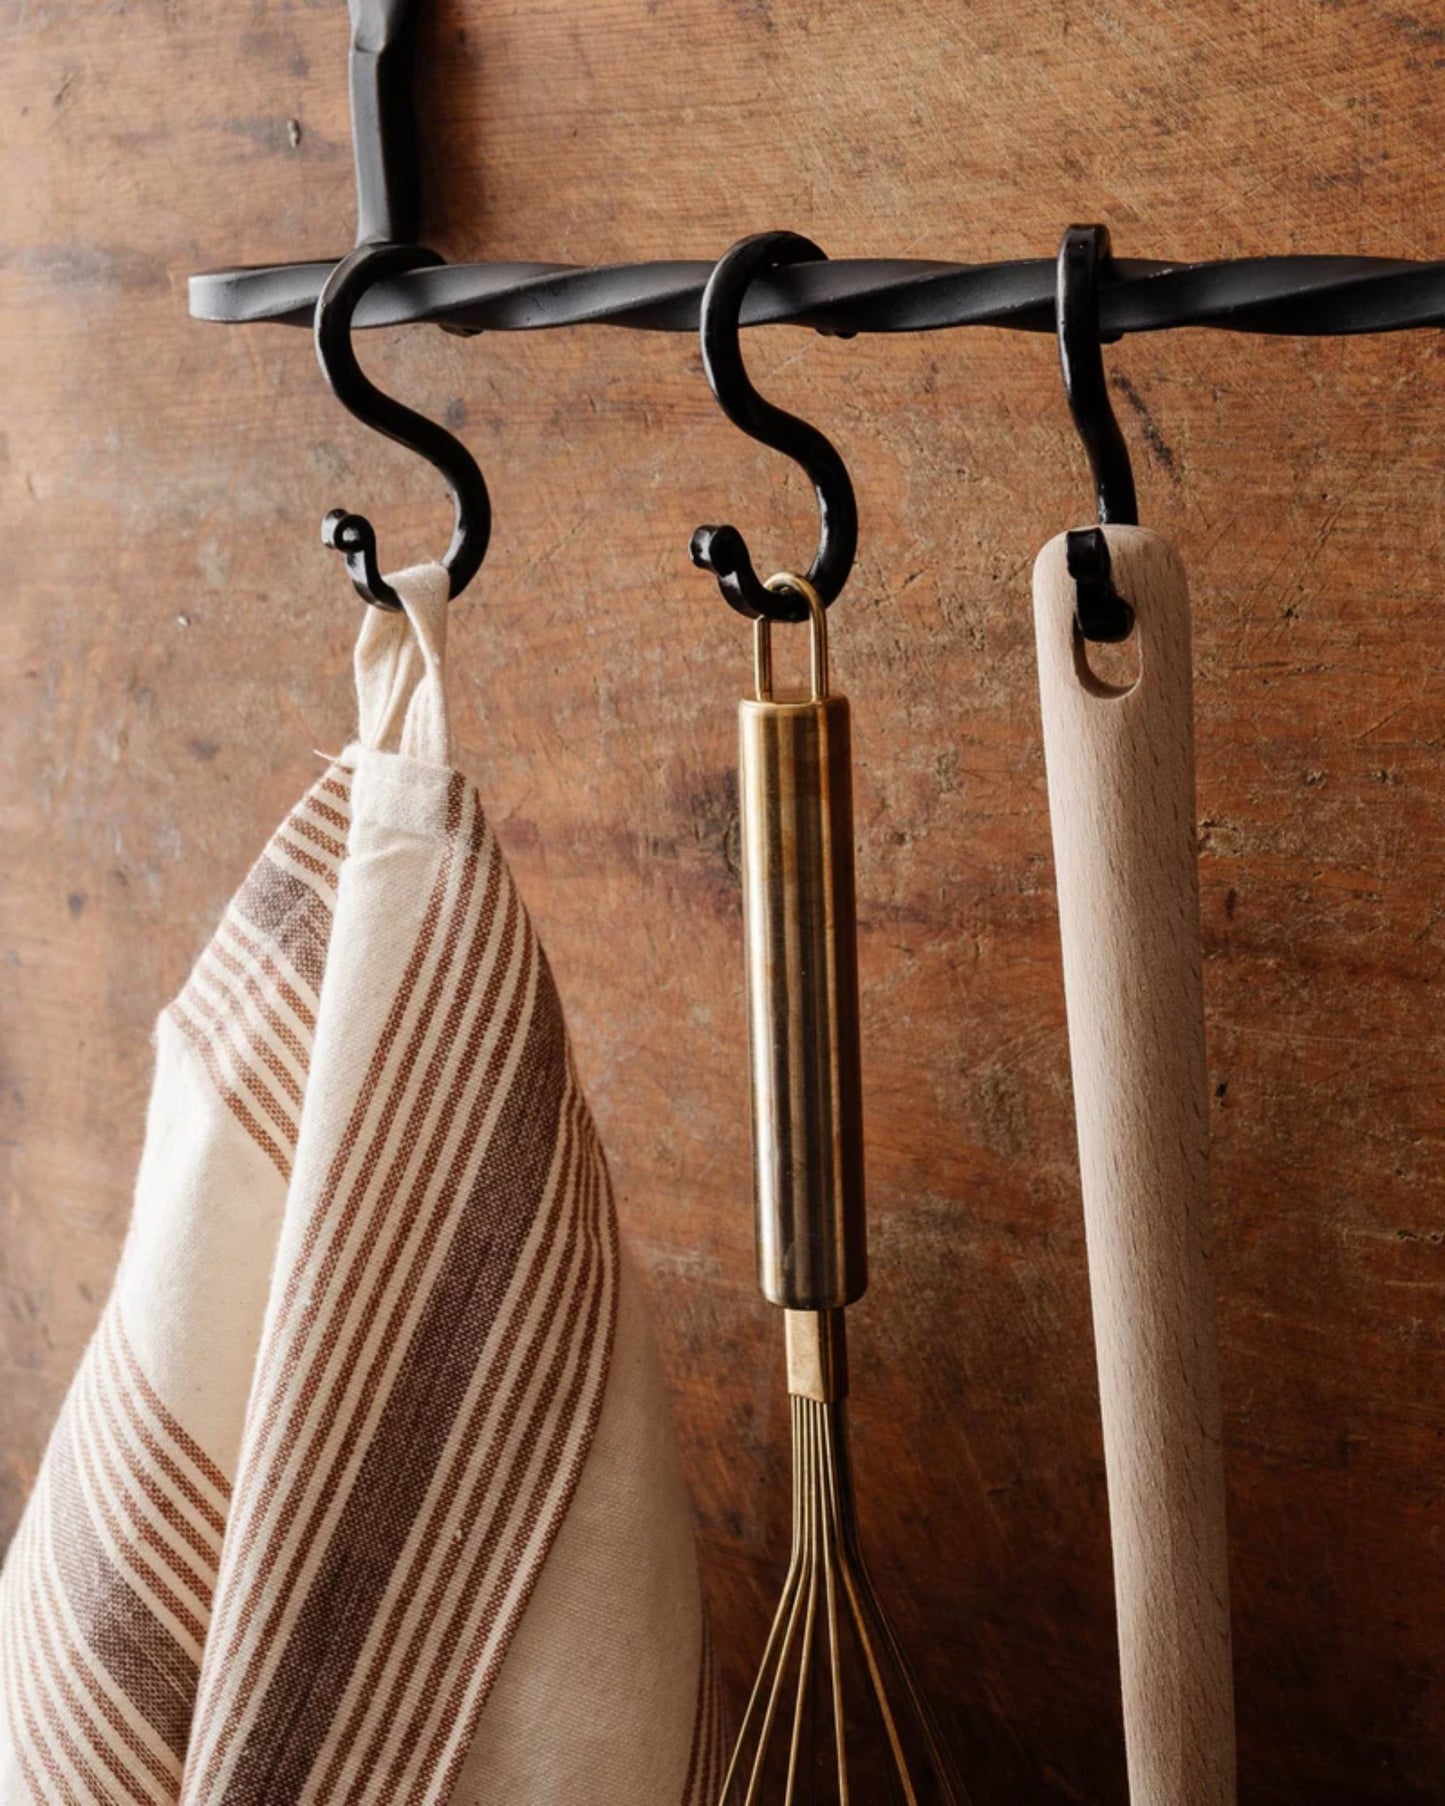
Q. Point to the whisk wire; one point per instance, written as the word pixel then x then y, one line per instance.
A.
pixel 857 1586
pixel 805 1655
pixel 779 1631
pixel 829 1599
pixel 828 1518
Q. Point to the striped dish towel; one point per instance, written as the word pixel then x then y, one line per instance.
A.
pixel 365 1490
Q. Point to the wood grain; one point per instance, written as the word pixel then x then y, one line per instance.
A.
pixel 154 468
pixel 1120 760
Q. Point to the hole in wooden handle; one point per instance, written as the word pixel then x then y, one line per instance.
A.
pixel 1109 670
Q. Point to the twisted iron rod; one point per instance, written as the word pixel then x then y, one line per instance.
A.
pixel 1303 295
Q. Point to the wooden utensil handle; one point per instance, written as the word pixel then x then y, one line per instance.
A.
pixel 1121 798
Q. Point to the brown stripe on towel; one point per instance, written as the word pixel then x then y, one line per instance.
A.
pixel 425 1385
pixel 144 1660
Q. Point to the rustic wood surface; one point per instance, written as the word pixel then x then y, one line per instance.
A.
pixel 175 642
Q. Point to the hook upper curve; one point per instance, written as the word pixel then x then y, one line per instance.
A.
pixel 352 534
pixel 1101 612
pixel 723 550
pixel 1081 255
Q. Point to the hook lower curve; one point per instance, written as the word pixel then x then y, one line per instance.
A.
pixel 352 534
pixel 723 550
pixel 1101 613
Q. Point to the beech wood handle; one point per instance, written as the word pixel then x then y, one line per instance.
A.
pixel 1121 799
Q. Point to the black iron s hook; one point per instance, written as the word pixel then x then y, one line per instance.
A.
pixel 383 136
pixel 723 550
pixel 1100 611
pixel 352 534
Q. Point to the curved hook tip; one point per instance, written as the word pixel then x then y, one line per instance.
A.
pixel 347 532
pixel 355 538
pixel 720 550
pixel 724 552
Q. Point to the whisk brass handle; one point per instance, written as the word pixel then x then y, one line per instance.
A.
pixel 799 1738
pixel 800 932
pixel 1121 797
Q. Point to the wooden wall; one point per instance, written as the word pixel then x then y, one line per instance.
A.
pixel 175 644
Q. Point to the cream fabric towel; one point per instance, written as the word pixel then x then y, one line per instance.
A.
pixel 365 1490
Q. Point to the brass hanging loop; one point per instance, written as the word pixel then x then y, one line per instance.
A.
pixel 783 583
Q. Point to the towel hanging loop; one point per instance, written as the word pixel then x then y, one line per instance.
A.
pixel 352 534
pixel 723 550
pixel 1101 613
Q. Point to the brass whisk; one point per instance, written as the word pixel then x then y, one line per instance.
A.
pixel 835 1713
